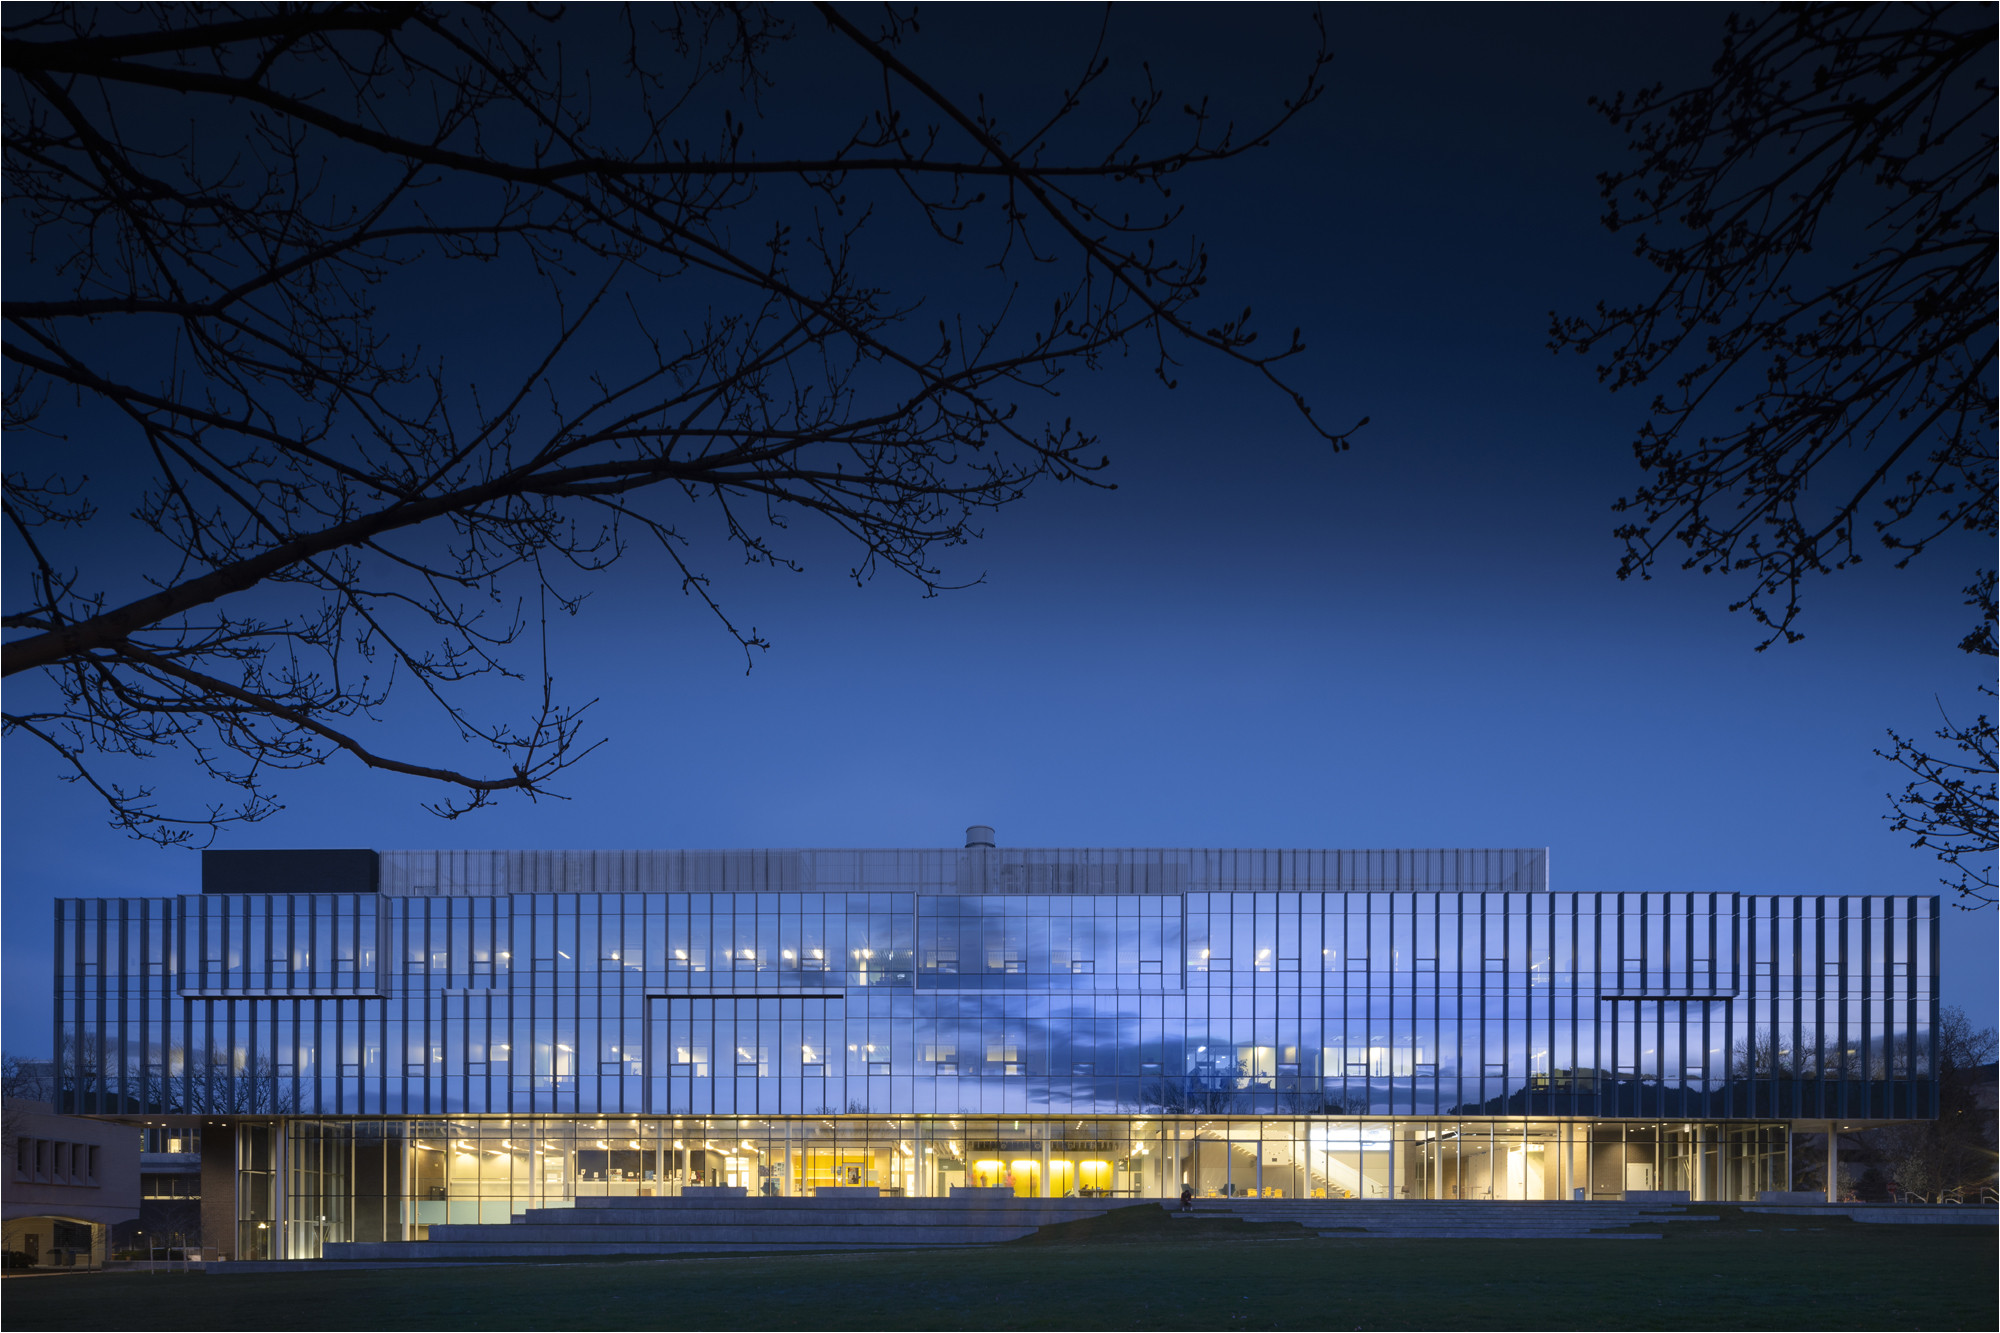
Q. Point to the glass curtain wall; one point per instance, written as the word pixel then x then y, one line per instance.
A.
pixel 1683 1006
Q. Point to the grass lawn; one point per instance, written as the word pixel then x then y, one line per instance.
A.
pixel 1139 1269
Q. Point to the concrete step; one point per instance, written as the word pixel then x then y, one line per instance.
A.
pixel 1493 1235
pixel 1421 1206
pixel 1906 1214
pixel 1586 1216
pixel 859 1203
pixel 630 1245
pixel 1456 1220
pixel 601 1249
pixel 1383 1201
pixel 1496 1228
pixel 828 1234
pixel 735 1224
pixel 722 1225
pixel 791 1215
pixel 1365 1219
pixel 1471 1230
pixel 1338 1211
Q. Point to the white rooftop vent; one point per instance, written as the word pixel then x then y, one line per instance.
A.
pixel 979 835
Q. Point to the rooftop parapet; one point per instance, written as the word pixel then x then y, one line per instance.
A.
pixel 973 870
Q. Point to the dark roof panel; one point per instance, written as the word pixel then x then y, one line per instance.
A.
pixel 314 870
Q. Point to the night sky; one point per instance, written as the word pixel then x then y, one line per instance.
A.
pixel 1252 642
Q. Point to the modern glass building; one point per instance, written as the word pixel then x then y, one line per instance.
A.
pixel 375 1042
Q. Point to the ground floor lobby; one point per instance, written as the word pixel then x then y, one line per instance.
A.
pixel 300 1183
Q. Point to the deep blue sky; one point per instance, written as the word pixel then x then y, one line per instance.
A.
pixel 1254 642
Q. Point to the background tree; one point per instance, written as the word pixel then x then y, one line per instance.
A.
pixel 1952 1156
pixel 21 1080
pixel 21 1076
pixel 1821 212
pixel 1311 1098
pixel 261 477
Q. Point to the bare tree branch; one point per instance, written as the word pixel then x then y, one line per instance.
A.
pixel 1822 213
pixel 1950 803
pixel 247 229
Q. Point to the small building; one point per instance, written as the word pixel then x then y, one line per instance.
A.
pixel 71 1180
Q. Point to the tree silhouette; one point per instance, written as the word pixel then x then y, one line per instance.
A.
pixel 249 495
pixel 1821 213
pixel 1949 803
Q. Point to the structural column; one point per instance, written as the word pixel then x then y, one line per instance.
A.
pixel 218 1188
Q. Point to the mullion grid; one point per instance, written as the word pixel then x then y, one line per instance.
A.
pixel 124 1031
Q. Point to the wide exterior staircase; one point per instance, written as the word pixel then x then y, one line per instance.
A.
pixel 1390 1219
pixel 734 1224
pixel 730 1222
